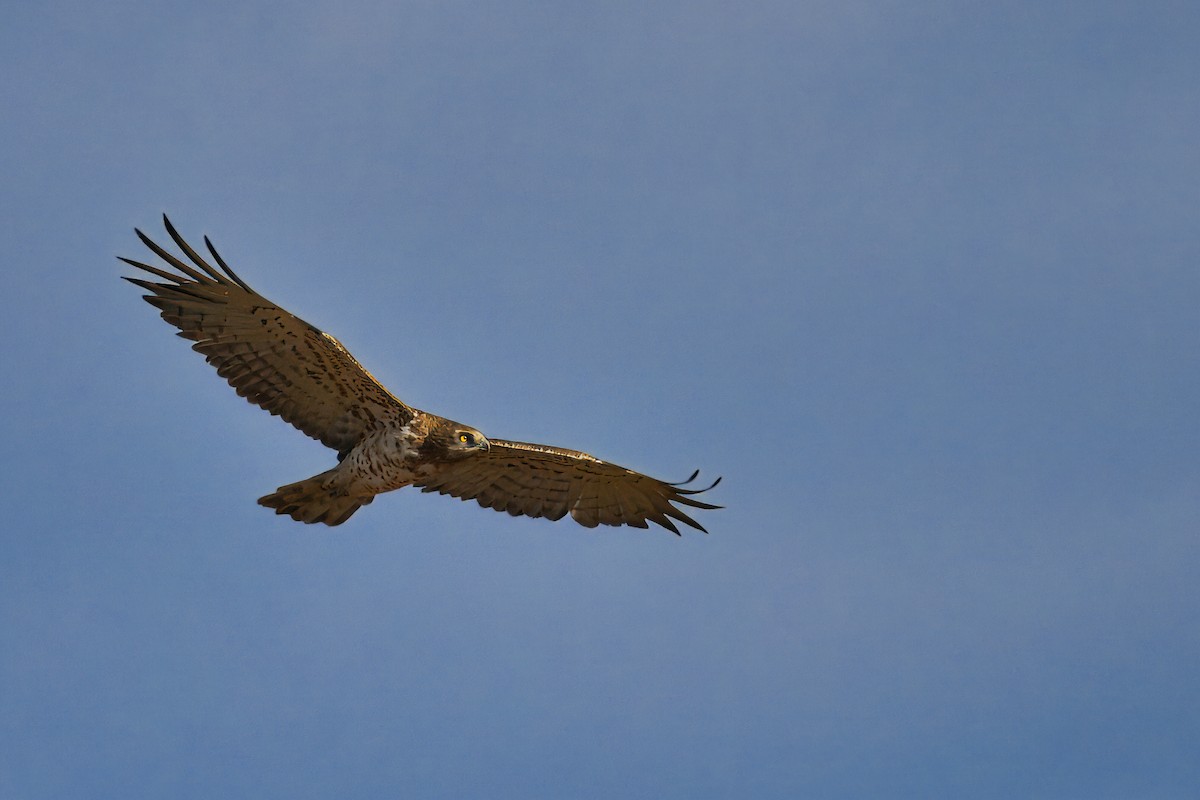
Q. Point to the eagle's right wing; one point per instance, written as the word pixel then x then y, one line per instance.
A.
pixel 537 480
pixel 272 358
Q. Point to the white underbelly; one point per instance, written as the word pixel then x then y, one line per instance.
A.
pixel 381 462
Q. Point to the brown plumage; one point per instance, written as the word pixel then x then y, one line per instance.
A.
pixel 290 368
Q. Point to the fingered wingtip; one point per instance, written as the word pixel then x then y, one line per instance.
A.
pixel 694 491
pixel 170 228
pixel 685 497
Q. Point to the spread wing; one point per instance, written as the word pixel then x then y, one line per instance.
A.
pixel 541 481
pixel 272 358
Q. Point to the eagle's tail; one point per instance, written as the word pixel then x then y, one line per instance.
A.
pixel 320 498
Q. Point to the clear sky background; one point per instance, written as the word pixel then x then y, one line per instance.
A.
pixel 920 280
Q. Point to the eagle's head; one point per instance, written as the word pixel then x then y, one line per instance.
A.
pixel 470 439
pixel 453 440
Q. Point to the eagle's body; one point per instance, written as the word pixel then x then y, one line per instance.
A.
pixel 292 369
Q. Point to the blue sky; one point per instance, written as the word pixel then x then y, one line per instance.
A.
pixel 919 280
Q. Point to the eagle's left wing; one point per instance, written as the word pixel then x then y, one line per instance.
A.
pixel 541 481
pixel 274 359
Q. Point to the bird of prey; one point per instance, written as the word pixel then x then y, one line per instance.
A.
pixel 304 375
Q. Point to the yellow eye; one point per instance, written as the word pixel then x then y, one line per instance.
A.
pixel 464 438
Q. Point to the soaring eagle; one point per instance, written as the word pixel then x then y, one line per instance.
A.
pixel 290 368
